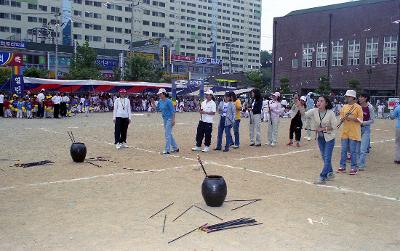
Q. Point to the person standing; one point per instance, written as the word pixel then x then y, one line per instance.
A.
pixel 236 125
pixel 227 110
pixel 1 104
pixel 255 117
pixel 122 118
pixel 396 115
pixel 63 105
pixel 204 128
pixel 324 120
pixel 310 105
pixel 274 109
pixel 40 100
pixel 368 120
pixel 168 114
pixel 351 116
pixel 296 124
pixel 381 109
pixel 56 101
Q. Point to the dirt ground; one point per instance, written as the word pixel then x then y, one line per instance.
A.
pixel 69 206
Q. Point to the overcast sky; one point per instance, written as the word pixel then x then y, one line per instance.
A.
pixel 278 8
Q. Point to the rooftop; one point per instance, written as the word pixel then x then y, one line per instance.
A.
pixel 336 6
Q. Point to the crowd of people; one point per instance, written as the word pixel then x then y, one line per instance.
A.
pixel 61 105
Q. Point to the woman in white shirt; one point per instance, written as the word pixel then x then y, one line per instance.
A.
pixel 324 120
pixel 122 119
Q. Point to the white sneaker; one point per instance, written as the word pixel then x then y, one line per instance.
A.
pixel 118 146
pixel 235 147
pixel 206 149
pixel 124 145
pixel 273 144
pixel 308 138
pixel 197 149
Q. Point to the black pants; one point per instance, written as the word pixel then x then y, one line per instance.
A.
pixel 63 109
pixel 1 110
pixel 56 110
pixel 203 130
pixel 295 128
pixel 40 112
pixel 121 128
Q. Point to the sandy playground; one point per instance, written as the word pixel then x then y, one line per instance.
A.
pixel 69 206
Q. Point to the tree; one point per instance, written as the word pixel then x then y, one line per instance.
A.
pixel 36 73
pixel 253 78
pixel 324 87
pixel 83 64
pixel 265 59
pixel 285 87
pixel 140 68
pixel 354 84
pixel 5 73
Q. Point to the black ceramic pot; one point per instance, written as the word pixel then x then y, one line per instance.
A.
pixel 214 190
pixel 78 152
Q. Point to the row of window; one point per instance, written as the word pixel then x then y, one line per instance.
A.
pixel 371 56
pixel 10 29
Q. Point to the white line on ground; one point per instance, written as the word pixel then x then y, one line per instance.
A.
pixel 278 154
pixel 95 177
pixel 342 189
pixel 72 127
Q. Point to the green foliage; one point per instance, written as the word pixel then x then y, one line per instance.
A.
pixel 285 87
pixel 5 73
pixel 265 57
pixel 324 87
pixel 354 84
pixel 142 69
pixel 36 72
pixel 83 64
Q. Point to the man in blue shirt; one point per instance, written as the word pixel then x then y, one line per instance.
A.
pixel 396 115
pixel 168 114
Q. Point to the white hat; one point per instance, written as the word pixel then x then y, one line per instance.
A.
pixel 209 92
pixel 303 98
pixel 42 90
pixel 351 93
pixel 161 90
pixel 276 94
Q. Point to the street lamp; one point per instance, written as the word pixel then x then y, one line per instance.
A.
pixel 229 44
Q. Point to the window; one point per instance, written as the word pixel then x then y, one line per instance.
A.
pixel 15 30
pixel 337 53
pixel 97 4
pixel 118 30
pixel 146 12
pixel 77 13
pixel 307 55
pixel 15 17
pixel 371 51
pixel 32 6
pixel 146 33
pixel 111 29
pixel 110 40
pixel 118 41
pixel 88 3
pixel 4 16
pixel 390 50
pixel 146 1
pixel 353 52
pixel 4 2
pixel 77 36
pixel 55 9
pixel 97 15
pixel 322 54
pixel 96 27
pixel 4 29
pixel 77 25
pixel 128 31
pixel 109 17
pixel 118 7
pixel 15 4
pixel 32 19
pixel 78 2
pixel 96 38
pixel 146 22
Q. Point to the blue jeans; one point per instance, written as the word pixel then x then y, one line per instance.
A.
pixel 236 132
pixel 169 139
pixel 354 148
pixel 365 139
pixel 221 128
pixel 326 149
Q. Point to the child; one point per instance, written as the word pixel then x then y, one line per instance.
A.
pixel 28 107
pixel 20 104
pixel 7 109
pixel 87 106
pixel 14 105
pixel 48 106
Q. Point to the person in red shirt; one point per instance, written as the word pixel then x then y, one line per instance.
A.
pixel 48 107
pixel 7 110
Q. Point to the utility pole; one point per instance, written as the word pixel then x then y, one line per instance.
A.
pixel 132 23
pixel 57 15
pixel 398 57
pixel 229 44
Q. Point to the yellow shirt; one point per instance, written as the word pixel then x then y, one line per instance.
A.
pixel 351 129
pixel 238 106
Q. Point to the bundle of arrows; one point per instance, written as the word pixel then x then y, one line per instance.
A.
pixel 241 222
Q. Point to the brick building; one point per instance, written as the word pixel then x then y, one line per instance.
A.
pixel 363 39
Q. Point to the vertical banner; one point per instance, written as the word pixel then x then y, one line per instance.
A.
pixel 17 84
pixel 173 92
pixel 66 22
